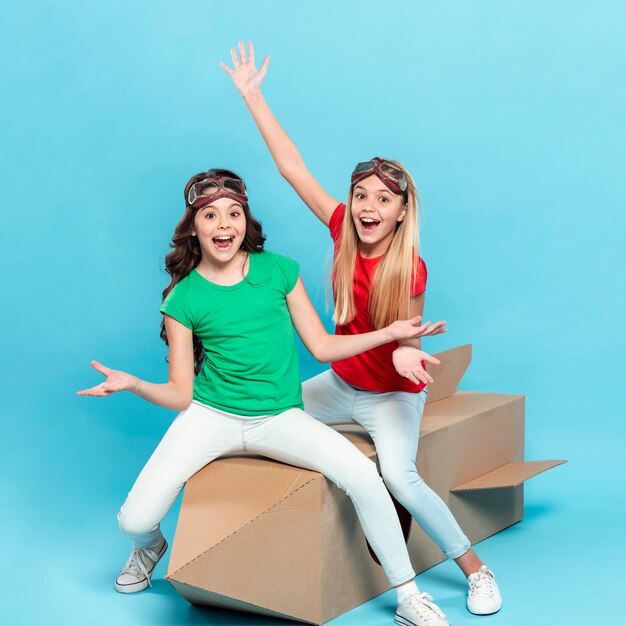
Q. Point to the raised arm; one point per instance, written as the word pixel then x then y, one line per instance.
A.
pixel 326 347
pixel 247 80
pixel 176 394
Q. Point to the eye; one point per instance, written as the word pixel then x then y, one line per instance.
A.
pixel 235 214
pixel 209 215
pixel 359 196
pixel 384 199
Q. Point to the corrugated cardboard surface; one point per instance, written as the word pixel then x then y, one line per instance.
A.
pixel 261 536
pixel 509 475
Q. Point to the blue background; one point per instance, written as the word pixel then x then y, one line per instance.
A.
pixel 511 118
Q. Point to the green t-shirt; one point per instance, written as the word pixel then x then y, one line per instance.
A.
pixel 251 365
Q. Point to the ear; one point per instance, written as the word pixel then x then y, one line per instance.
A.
pixel 402 215
pixel 193 232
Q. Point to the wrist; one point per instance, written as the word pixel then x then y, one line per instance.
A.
pixel 135 385
pixel 250 95
pixel 387 335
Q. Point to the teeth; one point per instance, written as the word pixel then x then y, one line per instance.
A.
pixel 368 220
pixel 223 238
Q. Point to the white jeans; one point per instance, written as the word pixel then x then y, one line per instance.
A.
pixel 393 421
pixel 201 434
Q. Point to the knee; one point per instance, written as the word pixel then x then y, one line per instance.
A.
pixel 360 475
pixel 132 524
pixel 403 483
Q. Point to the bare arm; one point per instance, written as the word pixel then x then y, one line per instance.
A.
pixel 176 394
pixel 247 80
pixel 326 347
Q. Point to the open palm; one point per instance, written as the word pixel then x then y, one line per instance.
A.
pixel 245 74
pixel 116 380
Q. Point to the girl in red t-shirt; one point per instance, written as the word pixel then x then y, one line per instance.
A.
pixel 377 277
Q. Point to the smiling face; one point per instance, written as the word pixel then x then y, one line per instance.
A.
pixel 220 228
pixel 376 213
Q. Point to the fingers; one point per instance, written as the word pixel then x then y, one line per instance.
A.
pixel 437 328
pixel 251 52
pixel 415 320
pixel 233 56
pixel 417 376
pixel 101 368
pixel 431 359
pixel 423 375
pixel 98 391
pixel 226 68
pixel 266 63
pixel 423 330
pixel 242 52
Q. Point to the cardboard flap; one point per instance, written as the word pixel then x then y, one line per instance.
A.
pixel 509 475
pixel 448 374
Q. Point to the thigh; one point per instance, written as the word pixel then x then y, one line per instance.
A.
pixel 328 399
pixel 393 421
pixel 197 436
pixel 297 438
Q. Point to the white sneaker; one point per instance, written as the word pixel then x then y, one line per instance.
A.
pixel 419 609
pixel 483 596
pixel 136 573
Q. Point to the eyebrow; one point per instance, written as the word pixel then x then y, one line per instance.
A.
pixel 377 191
pixel 212 206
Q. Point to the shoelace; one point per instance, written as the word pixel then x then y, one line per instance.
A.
pixel 423 603
pixel 136 564
pixel 482 583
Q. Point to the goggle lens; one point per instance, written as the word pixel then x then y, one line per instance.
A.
pixel 383 169
pixel 205 190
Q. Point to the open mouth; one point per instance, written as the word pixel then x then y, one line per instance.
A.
pixel 223 242
pixel 368 224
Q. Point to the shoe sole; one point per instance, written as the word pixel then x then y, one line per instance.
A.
pixel 403 621
pixel 142 584
pixel 483 612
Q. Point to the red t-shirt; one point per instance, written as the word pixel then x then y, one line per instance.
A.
pixel 372 370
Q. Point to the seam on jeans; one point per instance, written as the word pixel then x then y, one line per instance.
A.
pixel 460 552
pixel 180 569
pixel 450 520
pixel 243 437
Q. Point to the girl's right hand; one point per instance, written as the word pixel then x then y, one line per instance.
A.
pixel 409 329
pixel 245 74
pixel 116 380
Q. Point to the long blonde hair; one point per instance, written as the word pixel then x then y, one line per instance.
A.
pixel 390 291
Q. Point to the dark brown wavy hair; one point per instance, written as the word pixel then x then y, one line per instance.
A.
pixel 186 254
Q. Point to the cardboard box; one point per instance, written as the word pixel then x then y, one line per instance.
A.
pixel 261 536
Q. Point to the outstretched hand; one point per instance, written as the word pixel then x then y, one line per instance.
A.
pixel 245 74
pixel 116 380
pixel 409 329
pixel 408 363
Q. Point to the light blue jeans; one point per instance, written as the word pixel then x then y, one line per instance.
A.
pixel 201 434
pixel 393 421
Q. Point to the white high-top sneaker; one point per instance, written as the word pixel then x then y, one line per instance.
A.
pixel 136 573
pixel 483 595
pixel 418 609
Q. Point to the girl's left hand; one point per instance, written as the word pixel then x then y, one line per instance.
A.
pixel 408 363
pixel 116 381
pixel 244 73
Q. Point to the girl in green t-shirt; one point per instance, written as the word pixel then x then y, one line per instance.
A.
pixel 227 294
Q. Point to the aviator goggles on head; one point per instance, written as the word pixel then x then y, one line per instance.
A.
pixel 210 189
pixel 390 174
